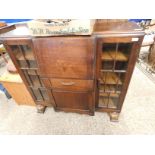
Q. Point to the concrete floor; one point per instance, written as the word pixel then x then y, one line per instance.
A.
pixel 137 117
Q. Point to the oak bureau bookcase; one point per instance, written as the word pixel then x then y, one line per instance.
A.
pixel 80 74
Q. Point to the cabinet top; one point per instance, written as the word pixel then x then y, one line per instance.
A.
pixel 100 29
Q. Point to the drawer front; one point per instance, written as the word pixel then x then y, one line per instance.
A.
pixel 65 57
pixel 72 84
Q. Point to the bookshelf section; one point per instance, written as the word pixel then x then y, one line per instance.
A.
pixel 27 63
pixel 114 62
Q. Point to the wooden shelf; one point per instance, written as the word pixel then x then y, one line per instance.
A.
pixel 110 78
pixel 115 95
pixel 112 55
pixel 108 89
pixel 115 71
pixel 35 87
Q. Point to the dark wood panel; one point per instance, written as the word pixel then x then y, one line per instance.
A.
pixel 73 100
pixel 66 57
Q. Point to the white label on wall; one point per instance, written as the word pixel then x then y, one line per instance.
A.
pixel 135 39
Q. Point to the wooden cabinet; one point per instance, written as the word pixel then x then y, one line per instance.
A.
pixel 80 74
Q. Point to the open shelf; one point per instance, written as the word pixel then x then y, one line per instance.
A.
pixel 113 55
pixel 110 78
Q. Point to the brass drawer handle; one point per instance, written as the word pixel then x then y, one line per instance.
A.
pixel 67 83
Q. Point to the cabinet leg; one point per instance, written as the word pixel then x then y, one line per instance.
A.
pixel 91 113
pixel 114 116
pixel 56 110
pixel 40 108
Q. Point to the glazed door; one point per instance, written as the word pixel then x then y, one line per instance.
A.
pixel 116 58
pixel 22 54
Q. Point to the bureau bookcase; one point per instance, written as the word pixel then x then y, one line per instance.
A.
pixel 80 74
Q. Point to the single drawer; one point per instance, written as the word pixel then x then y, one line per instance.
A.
pixel 72 84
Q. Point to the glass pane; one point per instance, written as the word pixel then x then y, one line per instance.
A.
pixel 37 94
pixel 108 100
pixel 24 56
pixel 107 88
pixel 121 65
pixel 44 94
pixel 108 52
pixel 33 80
pixel 27 51
pixel 125 48
pixel 117 51
pixel 32 64
pixel 107 65
pixel 112 78
pixel 17 53
pixel 22 63
pixel 113 100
